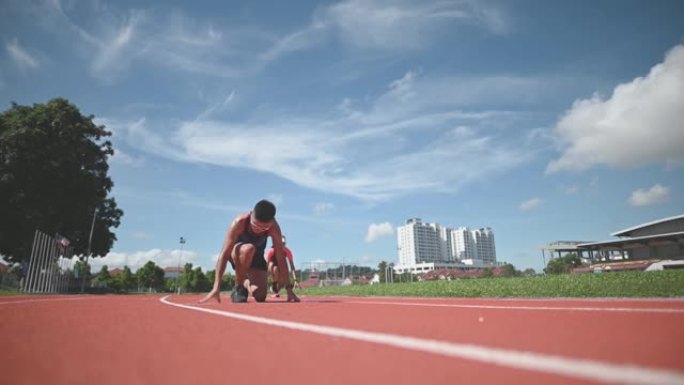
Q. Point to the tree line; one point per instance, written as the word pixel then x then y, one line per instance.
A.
pixel 150 278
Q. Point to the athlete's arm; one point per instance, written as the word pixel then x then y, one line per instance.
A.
pixel 277 239
pixel 228 245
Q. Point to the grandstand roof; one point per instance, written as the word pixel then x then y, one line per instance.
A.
pixel 647 240
pixel 628 231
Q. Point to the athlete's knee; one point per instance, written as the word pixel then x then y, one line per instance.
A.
pixel 260 295
pixel 245 253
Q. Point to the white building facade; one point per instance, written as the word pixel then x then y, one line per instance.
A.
pixel 422 245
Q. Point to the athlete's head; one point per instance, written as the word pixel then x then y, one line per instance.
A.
pixel 264 211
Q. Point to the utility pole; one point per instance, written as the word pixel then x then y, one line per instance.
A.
pixel 90 241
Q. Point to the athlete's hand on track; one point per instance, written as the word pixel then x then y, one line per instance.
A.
pixel 291 296
pixel 216 294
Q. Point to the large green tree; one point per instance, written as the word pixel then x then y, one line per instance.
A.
pixel 53 177
pixel 151 276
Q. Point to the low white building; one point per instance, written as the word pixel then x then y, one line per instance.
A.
pixel 424 267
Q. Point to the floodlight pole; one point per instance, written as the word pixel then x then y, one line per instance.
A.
pixel 178 273
pixel 90 241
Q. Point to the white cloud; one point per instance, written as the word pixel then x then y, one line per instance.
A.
pixel 355 154
pixel 113 54
pixel 323 208
pixel 114 39
pixel 639 124
pixel 571 190
pixel 276 199
pixel 387 25
pixel 531 204
pixel 140 235
pixel 21 58
pixel 135 260
pixel 654 195
pixel 378 230
pixel 404 25
pixel 123 158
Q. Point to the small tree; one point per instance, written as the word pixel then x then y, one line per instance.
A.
pixel 81 268
pixel 508 270
pixel 126 280
pixel 151 276
pixel 103 277
pixel 382 266
pixel 200 283
pixel 186 278
pixel 564 264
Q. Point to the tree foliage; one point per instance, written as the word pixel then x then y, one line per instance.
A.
pixel 126 279
pixel 103 277
pixel 563 265
pixel 151 276
pixel 382 266
pixel 53 176
pixel 508 270
pixel 194 280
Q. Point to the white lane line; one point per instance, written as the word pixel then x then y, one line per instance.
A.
pixel 517 307
pixel 571 367
pixel 42 300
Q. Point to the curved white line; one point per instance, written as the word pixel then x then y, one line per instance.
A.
pixel 571 367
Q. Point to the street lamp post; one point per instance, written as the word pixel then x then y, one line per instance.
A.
pixel 178 273
pixel 90 241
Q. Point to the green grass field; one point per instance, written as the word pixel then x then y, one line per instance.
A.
pixel 615 284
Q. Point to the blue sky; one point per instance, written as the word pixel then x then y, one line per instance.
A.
pixel 542 120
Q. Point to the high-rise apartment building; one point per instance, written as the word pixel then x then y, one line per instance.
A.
pixel 419 242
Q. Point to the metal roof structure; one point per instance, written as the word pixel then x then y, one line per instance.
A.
pixel 634 242
pixel 627 232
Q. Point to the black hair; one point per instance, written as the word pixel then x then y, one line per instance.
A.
pixel 264 211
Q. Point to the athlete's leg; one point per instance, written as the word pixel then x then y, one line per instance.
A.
pixel 258 280
pixel 273 270
pixel 243 253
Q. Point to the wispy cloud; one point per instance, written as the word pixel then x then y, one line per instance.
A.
pixel 404 25
pixel 323 208
pixel 388 26
pixel 639 124
pixel 21 57
pixel 378 230
pixel 531 204
pixel 376 152
pixel 114 53
pixel 114 39
pixel 122 158
pixel 655 195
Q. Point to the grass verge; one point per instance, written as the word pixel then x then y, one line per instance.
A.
pixel 614 284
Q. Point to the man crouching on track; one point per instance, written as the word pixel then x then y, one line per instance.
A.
pixel 244 247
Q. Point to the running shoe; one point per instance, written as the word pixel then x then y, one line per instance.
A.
pixel 239 294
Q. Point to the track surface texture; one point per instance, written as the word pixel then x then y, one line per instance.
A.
pixel 159 339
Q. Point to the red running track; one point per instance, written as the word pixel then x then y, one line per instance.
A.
pixel 339 340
